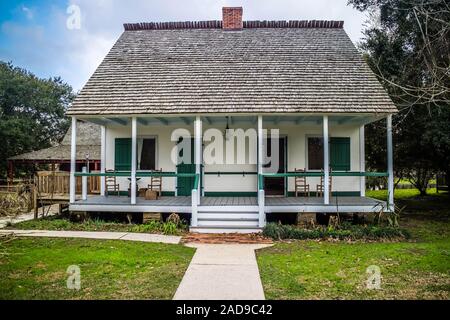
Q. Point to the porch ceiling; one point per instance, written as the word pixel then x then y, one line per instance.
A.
pixel 334 120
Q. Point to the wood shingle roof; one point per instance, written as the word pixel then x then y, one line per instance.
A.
pixel 88 142
pixel 295 67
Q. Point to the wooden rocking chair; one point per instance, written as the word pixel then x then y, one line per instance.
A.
pixel 156 183
pixel 321 187
pixel 111 184
pixel 300 184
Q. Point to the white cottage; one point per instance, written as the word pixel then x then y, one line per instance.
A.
pixel 211 106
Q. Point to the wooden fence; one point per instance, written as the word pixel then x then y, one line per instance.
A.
pixel 58 183
pixel 48 188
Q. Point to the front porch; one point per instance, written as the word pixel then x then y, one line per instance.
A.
pixel 182 204
pixel 234 190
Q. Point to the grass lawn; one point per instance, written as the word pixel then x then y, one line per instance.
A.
pixel 417 269
pixel 400 194
pixel 36 269
pixel 407 182
pixel 57 223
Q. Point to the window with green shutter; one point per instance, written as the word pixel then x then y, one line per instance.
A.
pixel 123 154
pixel 340 154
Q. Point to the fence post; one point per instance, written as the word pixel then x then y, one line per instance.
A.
pixel 35 199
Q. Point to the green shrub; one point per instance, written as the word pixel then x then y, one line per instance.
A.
pixel 149 227
pixel 168 228
pixel 58 223
pixel 344 231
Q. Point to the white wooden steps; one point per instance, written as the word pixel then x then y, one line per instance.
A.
pixel 227 220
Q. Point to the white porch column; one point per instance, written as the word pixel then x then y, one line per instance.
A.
pixel 103 161
pixel 326 161
pixel 390 163
pixel 261 193
pixel 133 158
pixel 84 182
pixel 260 145
pixel 362 160
pixel 73 160
pixel 198 153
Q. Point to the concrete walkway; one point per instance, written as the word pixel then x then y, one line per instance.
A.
pixel 138 237
pixel 222 272
pixel 4 221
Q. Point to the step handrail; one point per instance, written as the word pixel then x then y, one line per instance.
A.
pixel 195 198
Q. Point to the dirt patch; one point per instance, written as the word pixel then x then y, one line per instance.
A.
pixel 226 238
pixel 424 285
pixel 416 251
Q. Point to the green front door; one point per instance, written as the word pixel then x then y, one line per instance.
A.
pixel 186 184
pixel 340 154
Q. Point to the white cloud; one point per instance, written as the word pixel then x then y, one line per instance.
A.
pixel 75 54
pixel 102 20
pixel 110 14
pixel 28 12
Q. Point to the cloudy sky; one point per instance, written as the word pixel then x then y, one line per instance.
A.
pixel 34 33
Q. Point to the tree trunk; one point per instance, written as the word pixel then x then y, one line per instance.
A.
pixel 447 180
pixel 420 178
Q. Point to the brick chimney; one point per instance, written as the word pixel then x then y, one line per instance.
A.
pixel 232 18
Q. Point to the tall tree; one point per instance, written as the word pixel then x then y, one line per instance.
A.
pixel 407 45
pixel 32 111
pixel 408 42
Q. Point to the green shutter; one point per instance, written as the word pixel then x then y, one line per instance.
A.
pixel 186 184
pixel 340 154
pixel 123 154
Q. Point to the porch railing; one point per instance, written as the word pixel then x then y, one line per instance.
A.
pixel 57 182
pixel 127 174
pixel 261 177
pixel 231 173
pixel 318 174
pixel 321 174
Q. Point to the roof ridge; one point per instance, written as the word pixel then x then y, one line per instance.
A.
pixel 217 24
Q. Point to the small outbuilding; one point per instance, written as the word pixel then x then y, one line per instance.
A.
pixel 58 157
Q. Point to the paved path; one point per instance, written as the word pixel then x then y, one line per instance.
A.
pixel 26 217
pixel 138 237
pixel 216 272
pixel 4 221
pixel 222 272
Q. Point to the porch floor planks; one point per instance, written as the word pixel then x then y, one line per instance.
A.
pixel 231 201
pixel 116 200
pixel 317 201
